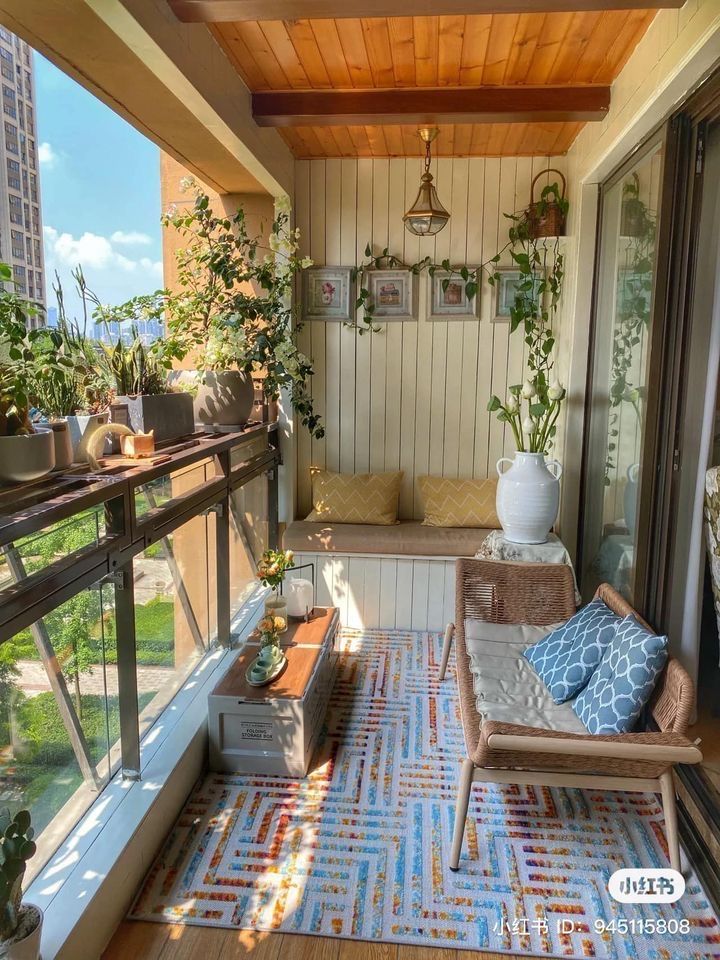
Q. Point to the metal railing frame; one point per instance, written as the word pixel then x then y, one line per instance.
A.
pixel 25 602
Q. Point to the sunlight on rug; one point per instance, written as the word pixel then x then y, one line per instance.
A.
pixel 359 849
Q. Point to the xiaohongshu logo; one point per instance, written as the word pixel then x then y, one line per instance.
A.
pixel 646 885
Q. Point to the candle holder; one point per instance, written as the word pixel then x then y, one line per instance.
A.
pixel 298 606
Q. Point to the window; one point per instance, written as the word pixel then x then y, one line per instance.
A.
pixel 13 166
pixel 36 250
pixel 6 35
pixel 9 110
pixel 7 71
pixel 14 183
pixel 10 129
pixel 29 256
pixel 18 271
pixel 8 92
pixel 6 55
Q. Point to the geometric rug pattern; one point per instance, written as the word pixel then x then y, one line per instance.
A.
pixel 359 848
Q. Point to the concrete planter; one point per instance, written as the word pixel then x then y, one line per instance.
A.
pixel 27 457
pixel 168 415
pixel 224 398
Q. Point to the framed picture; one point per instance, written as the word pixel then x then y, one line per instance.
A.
pixel 392 293
pixel 506 288
pixel 328 294
pixel 451 303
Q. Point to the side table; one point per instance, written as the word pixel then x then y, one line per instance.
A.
pixel 496 547
pixel 274 729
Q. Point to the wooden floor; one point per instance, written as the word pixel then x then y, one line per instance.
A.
pixel 156 941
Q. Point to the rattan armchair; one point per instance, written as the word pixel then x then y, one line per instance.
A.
pixel 541 594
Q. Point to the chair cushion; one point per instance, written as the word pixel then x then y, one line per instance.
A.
pixel 624 680
pixel 408 538
pixel 505 685
pixel 567 657
pixel 459 503
pixel 370 498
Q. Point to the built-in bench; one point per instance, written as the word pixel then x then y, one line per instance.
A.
pixel 401 575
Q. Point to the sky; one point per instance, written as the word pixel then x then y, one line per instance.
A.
pixel 100 189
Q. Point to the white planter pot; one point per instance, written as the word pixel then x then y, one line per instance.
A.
pixel 81 428
pixel 63 444
pixel 528 497
pixel 27 457
pixel 29 947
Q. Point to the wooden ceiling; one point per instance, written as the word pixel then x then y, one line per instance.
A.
pixel 557 49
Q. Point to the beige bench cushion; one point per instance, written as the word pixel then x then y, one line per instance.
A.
pixel 506 687
pixel 407 538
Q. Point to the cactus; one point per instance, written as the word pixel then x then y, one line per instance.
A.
pixel 16 848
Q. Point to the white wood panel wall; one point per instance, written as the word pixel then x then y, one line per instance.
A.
pixel 414 396
pixel 403 593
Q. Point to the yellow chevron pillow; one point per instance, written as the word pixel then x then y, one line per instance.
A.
pixel 355 497
pixel 459 503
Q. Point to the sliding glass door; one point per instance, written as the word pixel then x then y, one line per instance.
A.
pixel 614 471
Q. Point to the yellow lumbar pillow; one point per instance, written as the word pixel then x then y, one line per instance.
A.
pixel 355 497
pixel 459 503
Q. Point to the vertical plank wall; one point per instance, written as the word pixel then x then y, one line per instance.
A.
pixel 414 396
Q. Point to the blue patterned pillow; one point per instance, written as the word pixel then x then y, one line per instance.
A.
pixel 623 683
pixel 566 658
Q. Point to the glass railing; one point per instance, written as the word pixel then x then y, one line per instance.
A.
pixel 106 609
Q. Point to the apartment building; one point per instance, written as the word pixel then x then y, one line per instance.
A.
pixel 21 242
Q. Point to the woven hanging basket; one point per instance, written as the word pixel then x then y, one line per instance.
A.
pixel 545 218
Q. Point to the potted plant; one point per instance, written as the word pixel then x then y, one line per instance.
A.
pixel 138 373
pixel 20 923
pixel 272 568
pixel 27 452
pixel 547 216
pixel 232 316
pixel 528 494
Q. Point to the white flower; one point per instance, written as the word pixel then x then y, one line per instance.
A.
pixel 282 204
pixel 556 391
pixel 512 404
pixel 528 425
pixel 274 242
pixel 187 183
pixel 528 390
pixel 306 262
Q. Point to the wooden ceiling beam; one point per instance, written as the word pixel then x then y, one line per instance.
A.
pixel 218 11
pixel 435 105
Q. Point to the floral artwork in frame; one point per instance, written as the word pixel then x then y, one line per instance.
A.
pixel 505 290
pixel 392 294
pixel 448 299
pixel 328 294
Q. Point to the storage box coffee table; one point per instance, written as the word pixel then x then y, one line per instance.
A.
pixel 274 729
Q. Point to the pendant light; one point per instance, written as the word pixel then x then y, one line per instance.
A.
pixel 427 215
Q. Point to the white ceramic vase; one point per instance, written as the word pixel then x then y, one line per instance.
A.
pixel 528 497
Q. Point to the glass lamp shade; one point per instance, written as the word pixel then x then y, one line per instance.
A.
pixel 427 215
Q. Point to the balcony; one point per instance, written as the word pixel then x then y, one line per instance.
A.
pixel 408 786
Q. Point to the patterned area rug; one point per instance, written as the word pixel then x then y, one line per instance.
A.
pixel 359 849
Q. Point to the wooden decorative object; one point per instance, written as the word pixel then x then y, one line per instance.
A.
pixel 138 445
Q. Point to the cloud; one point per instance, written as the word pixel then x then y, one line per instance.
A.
pixel 92 250
pixel 109 272
pixel 46 155
pixel 131 238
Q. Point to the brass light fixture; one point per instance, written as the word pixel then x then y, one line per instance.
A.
pixel 427 215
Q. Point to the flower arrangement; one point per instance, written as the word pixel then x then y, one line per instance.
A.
pixel 533 425
pixel 270 628
pixel 273 566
